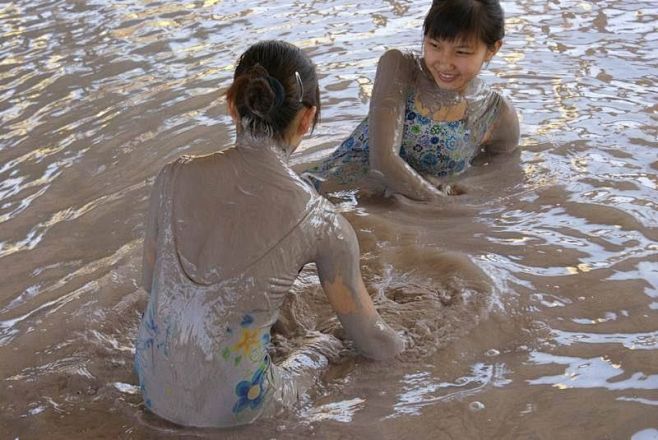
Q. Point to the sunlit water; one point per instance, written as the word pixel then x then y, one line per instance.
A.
pixel 531 301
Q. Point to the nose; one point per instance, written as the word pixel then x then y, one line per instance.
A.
pixel 445 60
pixel 442 59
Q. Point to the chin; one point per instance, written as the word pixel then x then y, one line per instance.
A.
pixel 453 85
pixel 450 86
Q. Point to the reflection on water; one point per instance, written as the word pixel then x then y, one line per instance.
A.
pixel 338 411
pixel 638 341
pixel 530 302
pixel 591 373
pixel 645 434
pixel 420 390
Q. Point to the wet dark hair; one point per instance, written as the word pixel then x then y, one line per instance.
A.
pixel 273 80
pixel 452 20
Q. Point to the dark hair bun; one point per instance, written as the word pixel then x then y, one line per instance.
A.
pixel 273 80
pixel 259 97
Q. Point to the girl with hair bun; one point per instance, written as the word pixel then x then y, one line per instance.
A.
pixel 226 237
pixel 431 115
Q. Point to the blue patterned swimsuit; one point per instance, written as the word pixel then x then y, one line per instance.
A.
pixel 436 148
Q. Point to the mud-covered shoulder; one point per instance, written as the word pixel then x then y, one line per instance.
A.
pixel 401 66
pixel 334 236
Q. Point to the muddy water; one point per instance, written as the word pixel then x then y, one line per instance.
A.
pixel 530 302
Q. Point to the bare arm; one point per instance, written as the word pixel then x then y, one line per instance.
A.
pixel 340 275
pixel 385 126
pixel 504 136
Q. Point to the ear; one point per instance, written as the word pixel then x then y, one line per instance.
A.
pixel 232 111
pixel 491 51
pixel 306 120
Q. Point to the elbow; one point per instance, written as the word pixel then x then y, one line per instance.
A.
pixel 510 130
pixel 515 135
pixel 506 142
pixel 511 143
pixel 378 167
pixel 503 146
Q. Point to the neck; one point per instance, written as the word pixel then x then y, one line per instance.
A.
pixel 264 145
pixel 265 160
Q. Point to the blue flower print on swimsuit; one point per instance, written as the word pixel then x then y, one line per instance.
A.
pixel 452 143
pixel 151 327
pixel 429 160
pixel 432 147
pixel 151 340
pixel 421 135
pixel 423 120
pixel 154 337
pixel 251 393
pixel 247 320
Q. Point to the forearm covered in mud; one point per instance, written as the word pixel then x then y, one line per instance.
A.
pixel 340 275
pixel 385 125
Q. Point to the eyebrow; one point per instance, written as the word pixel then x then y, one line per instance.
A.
pixel 466 44
pixel 460 45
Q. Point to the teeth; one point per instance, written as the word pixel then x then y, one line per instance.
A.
pixel 447 77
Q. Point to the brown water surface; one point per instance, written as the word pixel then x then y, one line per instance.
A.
pixel 531 301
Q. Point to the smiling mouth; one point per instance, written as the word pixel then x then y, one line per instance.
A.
pixel 446 77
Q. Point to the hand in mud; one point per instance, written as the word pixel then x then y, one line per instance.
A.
pixel 327 345
pixel 452 189
pixel 449 189
pixel 407 341
pixel 445 190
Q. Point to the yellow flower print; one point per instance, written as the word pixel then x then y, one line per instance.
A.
pixel 248 341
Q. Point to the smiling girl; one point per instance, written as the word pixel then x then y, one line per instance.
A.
pixel 431 115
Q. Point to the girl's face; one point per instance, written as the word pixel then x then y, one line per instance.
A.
pixel 453 64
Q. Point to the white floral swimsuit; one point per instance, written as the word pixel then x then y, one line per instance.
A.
pixel 201 354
